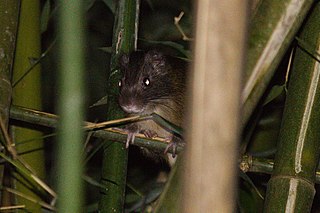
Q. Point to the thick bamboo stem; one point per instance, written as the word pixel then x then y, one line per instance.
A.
pixel 291 188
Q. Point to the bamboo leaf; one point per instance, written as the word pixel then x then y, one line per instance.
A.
pixel 172 44
pixel 307 47
pixel 111 4
pixel 245 177
pixel 31 199
pixel 102 101
pixel 106 49
pixel 150 197
pixel 33 65
pixel 38 184
pixel 89 4
pixel 167 124
pixel 275 92
pixel 93 182
pixel 45 16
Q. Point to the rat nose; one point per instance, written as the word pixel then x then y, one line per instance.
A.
pixel 130 105
pixel 131 108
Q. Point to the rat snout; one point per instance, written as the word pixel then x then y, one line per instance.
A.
pixel 130 106
pixel 131 109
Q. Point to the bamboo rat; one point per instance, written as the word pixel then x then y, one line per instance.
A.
pixel 153 83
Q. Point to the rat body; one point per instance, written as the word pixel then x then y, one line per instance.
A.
pixel 152 83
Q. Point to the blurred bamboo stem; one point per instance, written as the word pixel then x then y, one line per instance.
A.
pixel 213 131
pixel 70 105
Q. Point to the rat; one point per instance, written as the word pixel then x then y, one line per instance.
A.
pixel 153 82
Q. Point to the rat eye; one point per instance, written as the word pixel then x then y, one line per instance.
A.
pixel 146 82
pixel 120 83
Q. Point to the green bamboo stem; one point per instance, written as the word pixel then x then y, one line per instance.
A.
pixel 28 94
pixel 262 165
pixel 246 164
pixel 71 106
pixel 114 165
pixel 253 164
pixel 273 27
pixel 291 188
pixel 9 18
pixel 51 120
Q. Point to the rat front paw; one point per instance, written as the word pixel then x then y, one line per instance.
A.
pixel 130 139
pixel 174 141
pixel 149 133
pixel 131 130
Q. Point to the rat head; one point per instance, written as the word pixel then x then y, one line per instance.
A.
pixel 145 82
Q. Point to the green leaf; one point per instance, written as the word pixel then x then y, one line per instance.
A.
pixel 106 49
pixel 45 16
pixel 275 92
pixel 89 4
pixel 166 124
pixel 92 181
pixel 248 200
pixel 111 4
pixel 102 101
pixel 245 177
pixel 308 48
pixel 174 45
pixel 150 197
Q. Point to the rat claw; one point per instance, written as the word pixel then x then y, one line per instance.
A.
pixel 172 145
pixel 130 139
pixel 117 128
pixel 149 133
pixel 131 130
pixel 127 143
pixel 174 141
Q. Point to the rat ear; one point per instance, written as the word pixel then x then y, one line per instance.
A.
pixel 124 60
pixel 155 58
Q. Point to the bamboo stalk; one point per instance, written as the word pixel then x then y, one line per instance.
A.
pixel 115 156
pixel 9 18
pixel 51 120
pixel 246 164
pixel 291 188
pixel 28 94
pixel 71 106
pixel 262 165
pixel 213 131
